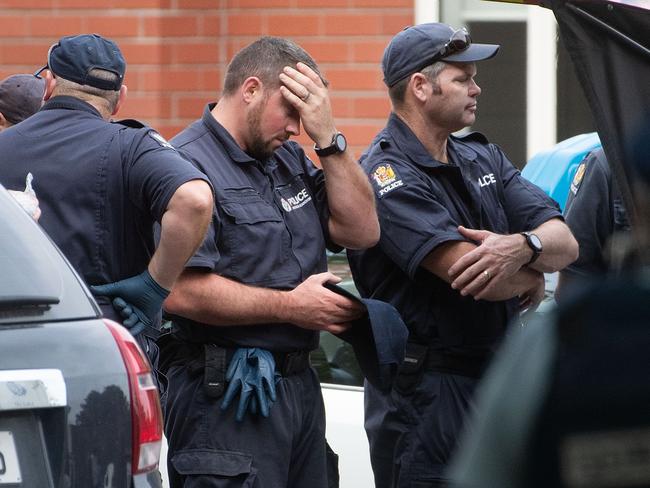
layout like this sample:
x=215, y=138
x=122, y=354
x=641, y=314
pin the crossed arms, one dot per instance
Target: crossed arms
x=496, y=267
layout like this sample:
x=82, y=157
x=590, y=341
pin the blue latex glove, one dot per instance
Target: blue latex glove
x=251, y=373
x=138, y=300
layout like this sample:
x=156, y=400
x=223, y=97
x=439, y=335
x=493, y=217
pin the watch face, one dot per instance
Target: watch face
x=535, y=242
x=340, y=142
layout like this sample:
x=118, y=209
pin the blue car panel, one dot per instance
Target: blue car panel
x=553, y=169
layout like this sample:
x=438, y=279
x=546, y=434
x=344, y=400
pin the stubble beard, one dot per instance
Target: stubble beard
x=257, y=148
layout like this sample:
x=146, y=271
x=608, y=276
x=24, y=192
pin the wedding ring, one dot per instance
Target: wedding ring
x=487, y=275
x=306, y=97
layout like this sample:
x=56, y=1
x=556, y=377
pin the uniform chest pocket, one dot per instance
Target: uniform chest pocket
x=255, y=242
x=251, y=212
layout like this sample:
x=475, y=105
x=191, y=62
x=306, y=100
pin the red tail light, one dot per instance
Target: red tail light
x=146, y=416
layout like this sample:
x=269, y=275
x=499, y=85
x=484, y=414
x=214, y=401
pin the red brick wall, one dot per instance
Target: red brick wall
x=176, y=50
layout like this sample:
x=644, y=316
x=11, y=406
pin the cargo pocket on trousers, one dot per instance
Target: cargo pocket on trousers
x=211, y=468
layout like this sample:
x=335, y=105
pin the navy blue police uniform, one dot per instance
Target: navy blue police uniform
x=101, y=186
x=420, y=204
x=269, y=230
x=595, y=213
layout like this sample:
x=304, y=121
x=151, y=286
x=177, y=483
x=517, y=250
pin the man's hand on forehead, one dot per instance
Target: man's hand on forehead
x=304, y=89
x=301, y=81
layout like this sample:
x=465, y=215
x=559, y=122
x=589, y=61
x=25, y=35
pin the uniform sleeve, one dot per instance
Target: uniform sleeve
x=526, y=205
x=589, y=216
x=154, y=170
x=413, y=220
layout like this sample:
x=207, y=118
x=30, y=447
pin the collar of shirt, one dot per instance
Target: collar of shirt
x=456, y=147
x=70, y=103
x=235, y=152
x=410, y=145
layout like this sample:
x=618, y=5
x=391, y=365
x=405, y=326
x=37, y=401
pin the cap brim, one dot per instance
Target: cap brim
x=475, y=52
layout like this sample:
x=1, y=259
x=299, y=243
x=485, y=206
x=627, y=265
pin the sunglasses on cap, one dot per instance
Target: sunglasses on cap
x=459, y=41
x=38, y=72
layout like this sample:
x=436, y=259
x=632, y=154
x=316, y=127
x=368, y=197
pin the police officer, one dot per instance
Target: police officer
x=251, y=304
x=596, y=215
x=102, y=185
x=464, y=242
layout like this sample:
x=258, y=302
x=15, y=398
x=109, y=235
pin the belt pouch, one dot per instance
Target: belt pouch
x=409, y=372
x=214, y=377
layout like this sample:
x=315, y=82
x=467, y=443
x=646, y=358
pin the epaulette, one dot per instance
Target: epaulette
x=134, y=124
x=378, y=145
x=473, y=136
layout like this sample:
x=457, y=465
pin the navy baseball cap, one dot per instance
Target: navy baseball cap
x=73, y=58
x=20, y=96
x=421, y=45
x=378, y=339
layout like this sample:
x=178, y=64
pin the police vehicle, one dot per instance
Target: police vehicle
x=78, y=406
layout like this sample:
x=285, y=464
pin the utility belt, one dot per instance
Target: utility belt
x=420, y=358
x=212, y=360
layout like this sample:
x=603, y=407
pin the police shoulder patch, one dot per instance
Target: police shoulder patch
x=577, y=179
x=160, y=139
x=385, y=178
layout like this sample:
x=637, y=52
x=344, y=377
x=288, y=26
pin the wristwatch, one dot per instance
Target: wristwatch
x=534, y=243
x=338, y=145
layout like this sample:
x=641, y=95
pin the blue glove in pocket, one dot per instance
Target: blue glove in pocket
x=251, y=373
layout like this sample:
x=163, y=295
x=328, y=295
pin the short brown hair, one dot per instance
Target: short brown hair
x=265, y=58
x=398, y=90
x=89, y=93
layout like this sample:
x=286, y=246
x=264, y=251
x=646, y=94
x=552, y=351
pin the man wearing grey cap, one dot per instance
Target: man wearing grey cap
x=20, y=96
x=102, y=185
x=464, y=244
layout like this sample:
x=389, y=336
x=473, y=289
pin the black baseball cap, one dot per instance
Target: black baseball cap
x=20, y=96
x=73, y=58
x=421, y=45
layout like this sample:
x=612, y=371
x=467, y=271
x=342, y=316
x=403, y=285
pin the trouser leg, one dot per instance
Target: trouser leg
x=412, y=437
x=209, y=448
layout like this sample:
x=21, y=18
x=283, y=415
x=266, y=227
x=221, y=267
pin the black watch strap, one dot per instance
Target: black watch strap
x=338, y=145
x=535, y=245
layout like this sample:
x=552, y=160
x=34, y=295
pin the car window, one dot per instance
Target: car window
x=334, y=360
x=37, y=283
